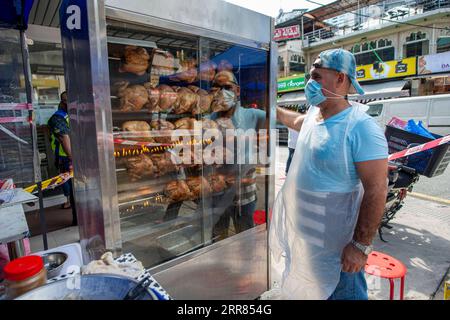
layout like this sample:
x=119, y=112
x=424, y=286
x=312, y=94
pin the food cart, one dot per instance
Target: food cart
x=135, y=72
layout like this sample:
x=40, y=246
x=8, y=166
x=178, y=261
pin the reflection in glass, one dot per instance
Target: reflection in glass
x=174, y=96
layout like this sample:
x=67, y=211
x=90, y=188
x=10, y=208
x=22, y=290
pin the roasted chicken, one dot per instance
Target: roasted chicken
x=153, y=97
x=136, y=60
x=209, y=124
x=178, y=191
x=207, y=71
x=139, y=167
x=185, y=123
x=132, y=98
x=187, y=100
x=199, y=187
x=163, y=130
x=204, y=102
x=138, y=130
x=167, y=97
x=187, y=71
x=163, y=163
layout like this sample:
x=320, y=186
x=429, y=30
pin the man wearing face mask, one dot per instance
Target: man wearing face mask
x=332, y=202
x=244, y=203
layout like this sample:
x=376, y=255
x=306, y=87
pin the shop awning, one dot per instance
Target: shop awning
x=379, y=91
x=430, y=75
x=292, y=97
x=15, y=13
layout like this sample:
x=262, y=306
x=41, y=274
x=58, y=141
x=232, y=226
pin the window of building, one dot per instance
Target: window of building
x=443, y=44
x=356, y=48
x=296, y=64
x=416, y=44
x=296, y=68
x=296, y=58
x=375, y=110
x=370, y=57
x=365, y=52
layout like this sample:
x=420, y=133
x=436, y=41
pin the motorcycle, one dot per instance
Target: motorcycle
x=401, y=181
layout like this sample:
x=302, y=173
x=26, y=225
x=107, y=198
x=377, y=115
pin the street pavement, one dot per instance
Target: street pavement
x=436, y=186
x=420, y=238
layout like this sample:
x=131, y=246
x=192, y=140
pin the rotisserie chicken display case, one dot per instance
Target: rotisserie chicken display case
x=170, y=104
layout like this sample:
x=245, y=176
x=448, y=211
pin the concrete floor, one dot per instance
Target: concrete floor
x=420, y=238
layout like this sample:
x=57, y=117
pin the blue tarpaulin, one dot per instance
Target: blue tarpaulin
x=242, y=57
x=14, y=13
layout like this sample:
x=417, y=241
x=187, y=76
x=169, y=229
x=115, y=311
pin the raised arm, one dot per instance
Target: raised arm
x=290, y=119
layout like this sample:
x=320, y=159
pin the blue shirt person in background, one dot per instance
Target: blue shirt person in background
x=59, y=127
x=292, y=141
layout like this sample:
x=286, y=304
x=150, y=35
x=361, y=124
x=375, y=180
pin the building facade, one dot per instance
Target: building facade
x=391, y=41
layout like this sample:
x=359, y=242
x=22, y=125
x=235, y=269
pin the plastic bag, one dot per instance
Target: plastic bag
x=419, y=129
x=397, y=123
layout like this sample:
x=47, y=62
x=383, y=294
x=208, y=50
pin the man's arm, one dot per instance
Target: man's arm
x=373, y=175
x=64, y=140
x=290, y=119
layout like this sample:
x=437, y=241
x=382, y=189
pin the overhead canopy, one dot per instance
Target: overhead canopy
x=339, y=7
x=241, y=57
x=378, y=91
x=14, y=13
x=433, y=75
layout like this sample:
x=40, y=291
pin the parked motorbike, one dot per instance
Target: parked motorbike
x=401, y=181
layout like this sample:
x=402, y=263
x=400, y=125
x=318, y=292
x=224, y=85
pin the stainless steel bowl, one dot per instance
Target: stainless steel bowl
x=53, y=262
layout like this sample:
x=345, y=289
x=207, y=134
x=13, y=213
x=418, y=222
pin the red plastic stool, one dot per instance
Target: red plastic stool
x=387, y=267
x=259, y=217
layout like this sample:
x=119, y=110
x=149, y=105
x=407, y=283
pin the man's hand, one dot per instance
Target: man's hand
x=353, y=260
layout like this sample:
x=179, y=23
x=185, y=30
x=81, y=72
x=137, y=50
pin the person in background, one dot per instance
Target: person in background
x=60, y=143
x=292, y=141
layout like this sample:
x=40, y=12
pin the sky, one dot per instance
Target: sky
x=272, y=7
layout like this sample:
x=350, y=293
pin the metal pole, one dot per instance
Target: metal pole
x=303, y=32
x=29, y=93
x=36, y=168
x=42, y=216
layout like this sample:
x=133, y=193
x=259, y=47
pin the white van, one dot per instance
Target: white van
x=433, y=111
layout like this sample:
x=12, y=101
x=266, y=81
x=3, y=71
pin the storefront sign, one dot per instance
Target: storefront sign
x=291, y=83
x=291, y=32
x=386, y=70
x=434, y=63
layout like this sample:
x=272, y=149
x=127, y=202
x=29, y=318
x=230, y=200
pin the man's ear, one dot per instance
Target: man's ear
x=238, y=91
x=341, y=80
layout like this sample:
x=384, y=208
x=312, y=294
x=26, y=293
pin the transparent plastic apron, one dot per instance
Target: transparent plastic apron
x=309, y=229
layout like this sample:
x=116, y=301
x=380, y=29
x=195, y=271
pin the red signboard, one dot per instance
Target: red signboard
x=291, y=32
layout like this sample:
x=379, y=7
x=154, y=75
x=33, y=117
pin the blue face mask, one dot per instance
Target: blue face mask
x=313, y=93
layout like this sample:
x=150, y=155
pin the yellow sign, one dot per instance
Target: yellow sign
x=447, y=290
x=386, y=70
x=41, y=83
